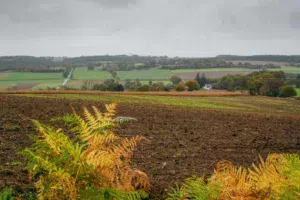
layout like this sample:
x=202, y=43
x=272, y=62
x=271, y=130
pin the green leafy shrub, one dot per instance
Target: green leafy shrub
x=169, y=87
x=175, y=80
x=16, y=163
x=287, y=91
x=144, y=88
x=192, y=85
x=180, y=87
x=93, y=165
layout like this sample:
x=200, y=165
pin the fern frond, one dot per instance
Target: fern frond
x=69, y=119
x=111, y=193
x=178, y=193
x=111, y=110
x=60, y=185
x=123, y=120
x=97, y=158
x=278, y=177
x=6, y=194
x=98, y=114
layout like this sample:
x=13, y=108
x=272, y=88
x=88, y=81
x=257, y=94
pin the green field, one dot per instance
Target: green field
x=82, y=73
x=16, y=78
x=283, y=68
x=243, y=103
x=7, y=84
x=151, y=74
x=298, y=92
x=287, y=69
x=178, y=71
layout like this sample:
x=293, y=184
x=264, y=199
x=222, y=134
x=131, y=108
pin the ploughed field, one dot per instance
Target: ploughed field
x=183, y=141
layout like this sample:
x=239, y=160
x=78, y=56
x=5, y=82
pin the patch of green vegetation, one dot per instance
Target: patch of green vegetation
x=8, y=128
x=82, y=73
x=8, y=84
x=11, y=194
x=246, y=103
x=7, y=194
x=17, y=76
x=288, y=69
x=15, y=163
x=4, y=75
x=151, y=74
x=178, y=71
x=298, y=91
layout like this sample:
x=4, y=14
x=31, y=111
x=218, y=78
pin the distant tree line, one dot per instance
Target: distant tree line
x=122, y=62
x=15, y=62
x=39, y=70
x=271, y=58
x=224, y=64
x=266, y=83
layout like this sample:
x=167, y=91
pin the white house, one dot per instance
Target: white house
x=207, y=87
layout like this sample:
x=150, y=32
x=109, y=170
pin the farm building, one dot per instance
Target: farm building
x=207, y=87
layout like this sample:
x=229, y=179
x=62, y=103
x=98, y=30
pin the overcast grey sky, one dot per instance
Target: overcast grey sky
x=194, y=28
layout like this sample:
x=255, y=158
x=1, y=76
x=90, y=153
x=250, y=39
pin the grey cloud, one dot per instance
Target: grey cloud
x=173, y=27
x=113, y=3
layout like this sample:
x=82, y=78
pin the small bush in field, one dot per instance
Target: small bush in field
x=144, y=88
x=175, y=79
x=276, y=178
x=180, y=87
x=192, y=85
x=287, y=91
x=93, y=165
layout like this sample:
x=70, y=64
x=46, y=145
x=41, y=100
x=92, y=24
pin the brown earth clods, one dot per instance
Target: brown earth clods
x=183, y=141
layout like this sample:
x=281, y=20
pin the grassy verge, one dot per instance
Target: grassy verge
x=243, y=103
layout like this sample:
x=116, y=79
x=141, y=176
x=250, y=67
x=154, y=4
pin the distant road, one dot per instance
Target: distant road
x=68, y=78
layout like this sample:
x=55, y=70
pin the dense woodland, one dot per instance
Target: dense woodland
x=133, y=62
x=272, y=58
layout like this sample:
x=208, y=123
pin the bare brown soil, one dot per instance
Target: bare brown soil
x=183, y=141
x=192, y=75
